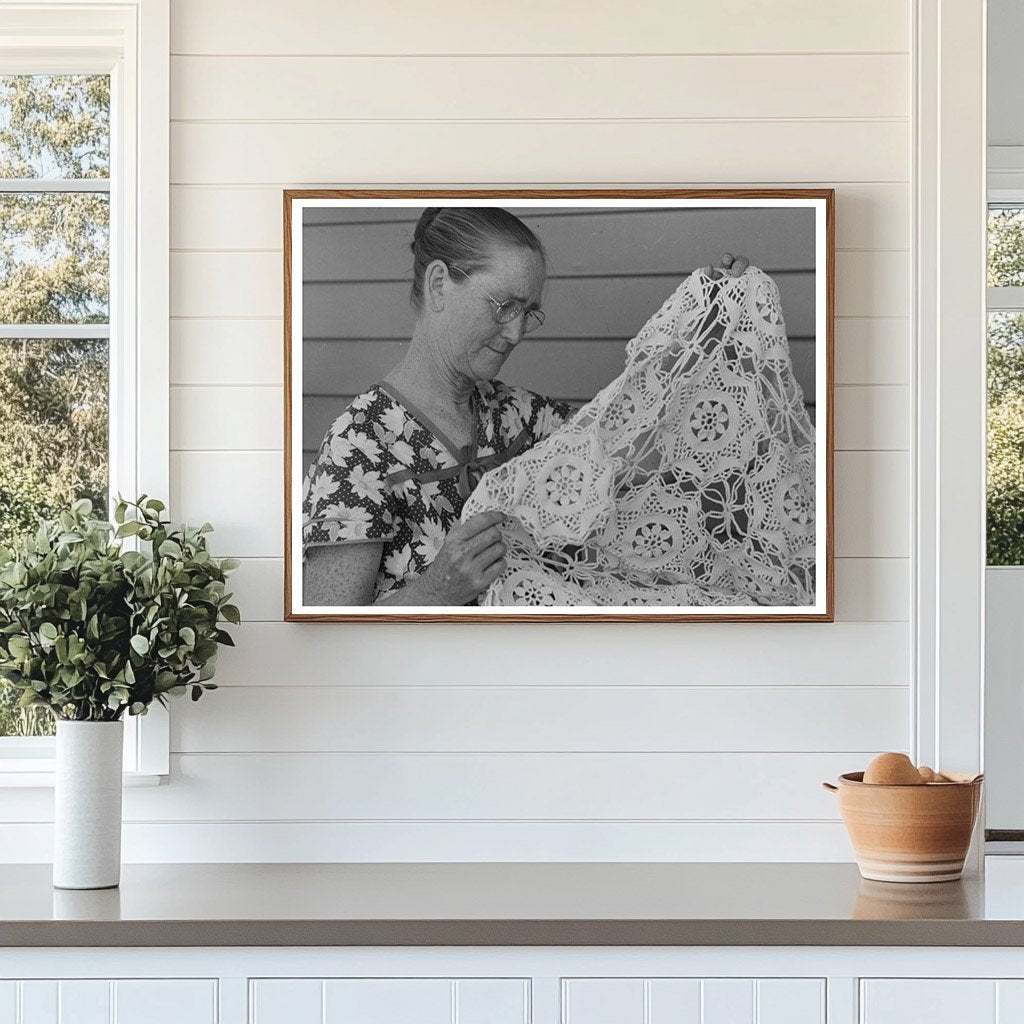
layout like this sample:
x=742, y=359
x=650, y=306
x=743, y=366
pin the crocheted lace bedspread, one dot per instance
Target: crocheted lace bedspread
x=687, y=481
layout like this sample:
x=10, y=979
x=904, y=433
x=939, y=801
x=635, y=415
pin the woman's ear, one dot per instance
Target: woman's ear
x=435, y=283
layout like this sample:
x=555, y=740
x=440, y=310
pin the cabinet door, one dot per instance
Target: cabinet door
x=103, y=1001
x=693, y=1001
x=941, y=1001
x=388, y=1000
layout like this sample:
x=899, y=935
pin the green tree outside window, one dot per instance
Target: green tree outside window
x=1005, y=478
x=54, y=275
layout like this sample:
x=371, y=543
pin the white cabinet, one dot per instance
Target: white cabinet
x=512, y=985
x=941, y=1001
x=102, y=1001
x=388, y=1000
x=693, y=1001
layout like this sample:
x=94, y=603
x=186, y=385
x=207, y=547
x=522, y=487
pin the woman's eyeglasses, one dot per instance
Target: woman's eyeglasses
x=505, y=312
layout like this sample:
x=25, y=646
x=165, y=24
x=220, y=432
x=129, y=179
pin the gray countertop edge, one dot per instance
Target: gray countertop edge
x=512, y=933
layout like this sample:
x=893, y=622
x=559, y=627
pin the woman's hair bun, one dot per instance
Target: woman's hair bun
x=426, y=219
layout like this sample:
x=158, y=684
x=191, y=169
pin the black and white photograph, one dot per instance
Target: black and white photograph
x=578, y=405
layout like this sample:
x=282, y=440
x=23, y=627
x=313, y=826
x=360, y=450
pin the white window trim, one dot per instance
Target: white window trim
x=949, y=444
x=131, y=41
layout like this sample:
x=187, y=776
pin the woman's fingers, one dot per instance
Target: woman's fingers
x=491, y=573
x=490, y=554
x=495, y=571
x=477, y=543
x=481, y=521
x=729, y=266
x=738, y=266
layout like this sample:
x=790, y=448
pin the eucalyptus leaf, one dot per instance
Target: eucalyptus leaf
x=170, y=549
x=91, y=630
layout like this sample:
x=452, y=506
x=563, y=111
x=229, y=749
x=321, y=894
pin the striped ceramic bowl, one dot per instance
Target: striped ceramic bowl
x=909, y=833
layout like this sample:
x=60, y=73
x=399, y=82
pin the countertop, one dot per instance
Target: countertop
x=488, y=904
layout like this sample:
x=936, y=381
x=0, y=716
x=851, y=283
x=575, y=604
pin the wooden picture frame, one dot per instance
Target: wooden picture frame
x=338, y=281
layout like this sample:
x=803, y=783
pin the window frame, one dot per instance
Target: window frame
x=130, y=41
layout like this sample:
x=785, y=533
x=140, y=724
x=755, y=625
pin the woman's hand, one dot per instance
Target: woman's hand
x=729, y=266
x=470, y=560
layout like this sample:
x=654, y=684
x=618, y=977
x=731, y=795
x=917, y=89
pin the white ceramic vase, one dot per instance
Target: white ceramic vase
x=87, y=805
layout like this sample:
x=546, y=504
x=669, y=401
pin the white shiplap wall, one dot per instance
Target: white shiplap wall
x=575, y=741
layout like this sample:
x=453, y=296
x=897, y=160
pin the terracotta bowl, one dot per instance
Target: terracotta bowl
x=909, y=833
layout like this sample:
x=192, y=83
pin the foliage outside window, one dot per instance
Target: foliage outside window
x=1005, y=481
x=54, y=309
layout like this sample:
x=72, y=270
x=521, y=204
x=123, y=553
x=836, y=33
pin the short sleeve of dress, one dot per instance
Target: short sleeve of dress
x=345, y=496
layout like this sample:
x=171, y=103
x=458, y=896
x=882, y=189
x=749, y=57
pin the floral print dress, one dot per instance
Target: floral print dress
x=384, y=472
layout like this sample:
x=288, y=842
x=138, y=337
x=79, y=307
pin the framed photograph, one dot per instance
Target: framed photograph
x=565, y=405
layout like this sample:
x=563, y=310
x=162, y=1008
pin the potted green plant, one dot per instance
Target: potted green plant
x=93, y=627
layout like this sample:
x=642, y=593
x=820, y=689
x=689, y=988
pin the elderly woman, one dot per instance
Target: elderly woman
x=382, y=500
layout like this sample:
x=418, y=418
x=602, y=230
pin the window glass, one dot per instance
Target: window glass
x=1005, y=481
x=54, y=274
x=54, y=127
x=54, y=257
x=1006, y=247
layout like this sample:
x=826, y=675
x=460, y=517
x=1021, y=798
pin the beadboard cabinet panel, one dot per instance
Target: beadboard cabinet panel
x=930, y=1001
x=102, y=1001
x=693, y=1001
x=389, y=1001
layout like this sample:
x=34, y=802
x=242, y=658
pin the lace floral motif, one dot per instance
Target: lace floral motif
x=688, y=481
